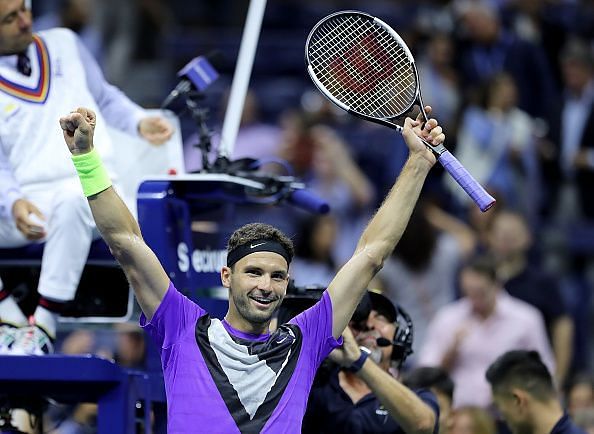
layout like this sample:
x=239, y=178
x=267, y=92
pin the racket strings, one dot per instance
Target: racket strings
x=386, y=92
x=404, y=78
x=363, y=65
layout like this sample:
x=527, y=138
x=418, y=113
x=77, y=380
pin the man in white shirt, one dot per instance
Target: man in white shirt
x=43, y=75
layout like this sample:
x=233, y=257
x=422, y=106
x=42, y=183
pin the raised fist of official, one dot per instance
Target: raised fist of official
x=78, y=127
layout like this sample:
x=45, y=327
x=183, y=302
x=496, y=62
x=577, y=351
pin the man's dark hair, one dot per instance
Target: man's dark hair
x=524, y=370
x=430, y=378
x=260, y=231
x=484, y=265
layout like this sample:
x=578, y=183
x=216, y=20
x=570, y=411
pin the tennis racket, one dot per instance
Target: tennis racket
x=364, y=67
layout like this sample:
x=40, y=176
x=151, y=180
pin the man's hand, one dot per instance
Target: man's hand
x=431, y=132
x=348, y=353
x=155, y=130
x=78, y=128
x=28, y=219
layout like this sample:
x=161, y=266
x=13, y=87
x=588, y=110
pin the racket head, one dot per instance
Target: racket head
x=363, y=66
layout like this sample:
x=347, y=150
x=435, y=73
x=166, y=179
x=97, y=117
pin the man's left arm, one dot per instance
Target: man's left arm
x=562, y=332
x=387, y=226
x=119, y=110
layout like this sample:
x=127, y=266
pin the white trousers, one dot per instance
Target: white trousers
x=70, y=229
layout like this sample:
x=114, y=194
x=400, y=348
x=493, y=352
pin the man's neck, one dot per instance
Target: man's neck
x=244, y=326
x=352, y=385
x=546, y=415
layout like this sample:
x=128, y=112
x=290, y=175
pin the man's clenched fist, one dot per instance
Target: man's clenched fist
x=78, y=127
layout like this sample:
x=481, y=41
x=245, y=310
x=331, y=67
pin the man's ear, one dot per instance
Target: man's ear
x=521, y=398
x=226, y=276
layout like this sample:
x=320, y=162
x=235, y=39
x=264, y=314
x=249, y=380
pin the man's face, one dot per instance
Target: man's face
x=376, y=326
x=480, y=291
x=509, y=236
x=576, y=75
x=257, y=286
x=15, y=27
x=512, y=409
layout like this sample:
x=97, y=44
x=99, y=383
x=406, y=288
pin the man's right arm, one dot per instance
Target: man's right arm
x=122, y=234
x=116, y=224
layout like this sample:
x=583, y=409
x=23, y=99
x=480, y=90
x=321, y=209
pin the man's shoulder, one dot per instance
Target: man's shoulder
x=516, y=307
x=57, y=33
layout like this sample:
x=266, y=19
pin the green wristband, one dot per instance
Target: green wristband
x=93, y=175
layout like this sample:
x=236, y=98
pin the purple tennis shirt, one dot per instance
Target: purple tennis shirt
x=221, y=380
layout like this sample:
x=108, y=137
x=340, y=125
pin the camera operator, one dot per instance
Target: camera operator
x=358, y=391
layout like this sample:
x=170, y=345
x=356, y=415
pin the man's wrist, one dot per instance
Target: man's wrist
x=418, y=161
x=358, y=364
x=93, y=175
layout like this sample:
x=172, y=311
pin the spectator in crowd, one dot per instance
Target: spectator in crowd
x=467, y=335
x=525, y=396
x=321, y=157
x=439, y=80
x=439, y=382
x=488, y=49
x=584, y=419
x=567, y=154
x=510, y=242
x=77, y=418
x=421, y=273
x=40, y=196
x=130, y=350
x=496, y=144
x=579, y=396
x=313, y=263
x=360, y=394
x=472, y=420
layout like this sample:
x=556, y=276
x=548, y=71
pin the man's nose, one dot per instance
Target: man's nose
x=24, y=19
x=264, y=282
x=370, y=324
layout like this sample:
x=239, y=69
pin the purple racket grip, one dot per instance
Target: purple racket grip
x=476, y=191
x=310, y=202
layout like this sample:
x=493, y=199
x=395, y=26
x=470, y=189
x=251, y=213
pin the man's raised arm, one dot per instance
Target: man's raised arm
x=113, y=219
x=387, y=226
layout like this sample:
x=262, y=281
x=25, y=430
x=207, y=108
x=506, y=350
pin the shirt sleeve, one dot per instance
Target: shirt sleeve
x=316, y=325
x=117, y=109
x=10, y=190
x=538, y=339
x=175, y=316
x=431, y=400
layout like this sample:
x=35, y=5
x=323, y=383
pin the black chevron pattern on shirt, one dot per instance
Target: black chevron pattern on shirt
x=280, y=352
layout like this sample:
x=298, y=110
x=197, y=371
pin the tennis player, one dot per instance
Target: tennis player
x=232, y=375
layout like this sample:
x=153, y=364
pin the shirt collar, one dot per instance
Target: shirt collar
x=9, y=61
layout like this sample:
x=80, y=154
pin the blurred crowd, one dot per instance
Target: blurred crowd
x=512, y=83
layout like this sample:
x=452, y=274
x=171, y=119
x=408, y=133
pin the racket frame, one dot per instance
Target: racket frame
x=386, y=121
x=480, y=196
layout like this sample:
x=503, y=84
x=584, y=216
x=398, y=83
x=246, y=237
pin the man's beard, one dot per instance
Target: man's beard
x=249, y=313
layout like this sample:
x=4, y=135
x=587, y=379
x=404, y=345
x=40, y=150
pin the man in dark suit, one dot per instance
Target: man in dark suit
x=567, y=156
